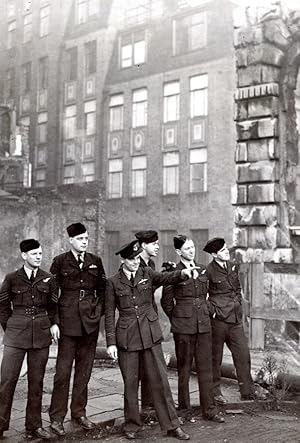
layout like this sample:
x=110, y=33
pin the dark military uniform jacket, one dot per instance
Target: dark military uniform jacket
x=80, y=304
x=185, y=304
x=138, y=325
x=27, y=310
x=224, y=290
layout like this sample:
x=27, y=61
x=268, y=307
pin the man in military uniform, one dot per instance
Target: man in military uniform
x=81, y=279
x=149, y=243
x=137, y=338
x=225, y=301
x=28, y=315
x=185, y=305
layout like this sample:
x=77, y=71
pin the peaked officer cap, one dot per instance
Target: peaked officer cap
x=28, y=244
x=214, y=245
x=130, y=250
x=76, y=229
x=147, y=236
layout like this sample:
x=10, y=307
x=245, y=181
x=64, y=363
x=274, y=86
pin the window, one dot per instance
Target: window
x=190, y=33
x=116, y=111
x=139, y=170
x=88, y=172
x=11, y=34
x=41, y=156
x=69, y=174
x=44, y=21
x=139, y=12
x=10, y=82
x=198, y=170
x=171, y=173
x=40, y=178
x=171, y=101
x=139, y=107
x=90, y=117
x=27, y=36
x=133, y=49
x=86, y=9
x=11, y=8
x=26, y=78
x=69, y=152
x=43, y=67
x=198, y=95
x=115, y=178
x=71, y=68
x=70, y=122
x=90, y=50
x=42, y=127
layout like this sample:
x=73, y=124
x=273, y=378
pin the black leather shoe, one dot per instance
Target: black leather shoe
x=84, y=422
x=130, y=435
x=39, y=433
x=58, y=428
x=217, y=418
x=219, y=400
x=178, y=433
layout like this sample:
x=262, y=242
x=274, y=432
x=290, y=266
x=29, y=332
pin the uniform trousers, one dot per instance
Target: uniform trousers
x=10, y=371
x=198, y=347
x=234, y=336
x=156, y=372
x=146, y=395
x=82, y=349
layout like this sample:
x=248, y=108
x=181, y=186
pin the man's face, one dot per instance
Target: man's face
x=132, y=264
x=187, y=250
x=33, y=258
x=151, y=248
x=79, y=243
x=222, y=254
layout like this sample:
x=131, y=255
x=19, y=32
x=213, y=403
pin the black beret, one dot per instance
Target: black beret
x=214, y=245
x=130, y=250
x=28, y=244
x=179, y=241
x=76, y=229
x=147, y=236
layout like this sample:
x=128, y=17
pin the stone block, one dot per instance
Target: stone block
x=241, y=197
x=277, y=33
x=241, y=152
x=240, y=236
x=242, y=110
x=270, y=74
x=283, y=255
x=250, y=35
x=249, y=76
x=263, y=106
x=241, y=56
x=257, y=172
x=256, y=237
x=255, y=215
x=247, y=129
x=271, y=236
x=262, y=150
x=261, y=90
x=263, y=193
x=266, y=54
x=267, y=127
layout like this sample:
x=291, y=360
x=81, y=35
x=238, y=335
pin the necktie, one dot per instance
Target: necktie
x=32, y=278
x=79, y=259
x=132, y=278
x=194, y=273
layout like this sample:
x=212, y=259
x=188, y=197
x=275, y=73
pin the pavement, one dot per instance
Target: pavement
x=105, y=404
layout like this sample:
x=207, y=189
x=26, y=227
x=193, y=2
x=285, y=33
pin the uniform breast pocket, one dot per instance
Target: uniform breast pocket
x=123, y=300
x=185, y=288
x=145, y=292
x=19, y=294
x=42, y=292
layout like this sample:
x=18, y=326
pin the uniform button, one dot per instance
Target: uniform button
x=136, y=307
x=32, y=296
x=81, y=281
x=133, y=297
x=137, y=316
x=33, y=318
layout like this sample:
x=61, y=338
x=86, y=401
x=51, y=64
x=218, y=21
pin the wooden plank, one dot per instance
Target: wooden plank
x=257, y=326
x=275, y=314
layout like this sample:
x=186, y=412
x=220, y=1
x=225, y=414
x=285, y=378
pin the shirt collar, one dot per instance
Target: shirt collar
x=128, y=273
x=28, y=271
x=78, y=253
x=187, y=263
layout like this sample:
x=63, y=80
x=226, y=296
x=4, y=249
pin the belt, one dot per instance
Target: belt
x=29, y=310
x=82, y=292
